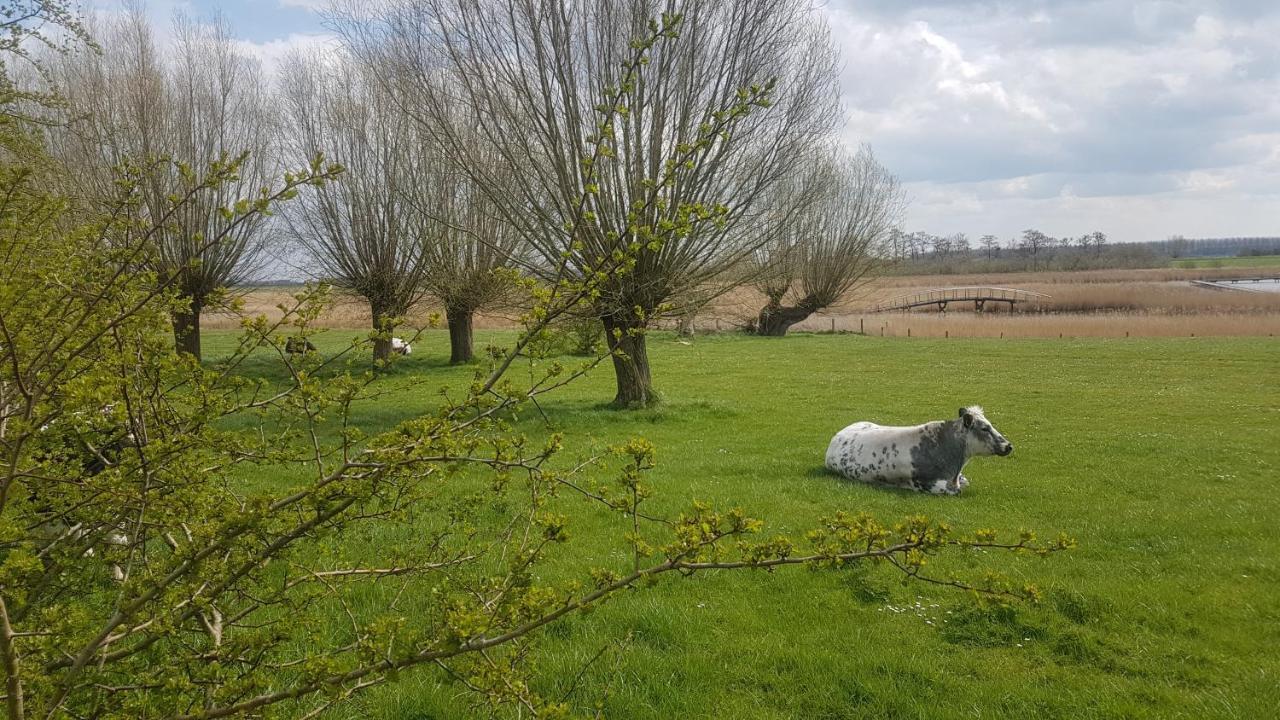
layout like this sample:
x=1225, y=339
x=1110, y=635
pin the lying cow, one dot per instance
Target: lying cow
x=927, y=458
x=53, y=532
x=400, y=347
x=94, y=443
x=298, y=345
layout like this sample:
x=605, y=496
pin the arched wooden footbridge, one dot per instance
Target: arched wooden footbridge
x=979, y=296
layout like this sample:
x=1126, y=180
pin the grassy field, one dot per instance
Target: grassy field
x=1159, y=456
x=1257, y=261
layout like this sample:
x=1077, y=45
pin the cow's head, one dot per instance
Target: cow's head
x=981, y=437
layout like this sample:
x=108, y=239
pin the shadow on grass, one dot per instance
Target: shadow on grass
x=820, y=472
x=266, y=364
x=573, y=411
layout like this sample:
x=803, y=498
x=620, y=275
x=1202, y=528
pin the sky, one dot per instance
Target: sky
x=1139, y=119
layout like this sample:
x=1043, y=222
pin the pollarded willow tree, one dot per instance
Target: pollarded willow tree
x=469, y=248
x=739, y=95
x=204, y=104
x=362, y=233
x=833, y=245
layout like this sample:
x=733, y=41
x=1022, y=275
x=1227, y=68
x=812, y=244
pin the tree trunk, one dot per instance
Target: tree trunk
x=381, y=324
x=775, y=318
x=630, y=363
x=460, y=341
x=186, y=330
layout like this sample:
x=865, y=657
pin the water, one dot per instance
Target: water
x=1264, y=285
x=1272, y=285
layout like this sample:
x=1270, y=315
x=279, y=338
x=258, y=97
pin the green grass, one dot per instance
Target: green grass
x=1160, y=456
x=1256, y=261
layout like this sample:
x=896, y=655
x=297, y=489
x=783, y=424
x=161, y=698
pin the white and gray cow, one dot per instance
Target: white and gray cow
x=95, y=443
x=927, y=458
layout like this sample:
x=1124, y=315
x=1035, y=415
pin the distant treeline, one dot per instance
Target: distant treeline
x=920, y=253
x=1180, y=247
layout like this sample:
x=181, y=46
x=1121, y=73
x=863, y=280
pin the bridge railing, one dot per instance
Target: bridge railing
x=959, y=294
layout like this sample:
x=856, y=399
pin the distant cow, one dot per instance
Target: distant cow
x=400, y=347
x=298, y=345
x=94, y=442
x=927, y=458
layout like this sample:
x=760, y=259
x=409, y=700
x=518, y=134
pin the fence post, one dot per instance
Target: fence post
x=833, y=324
x=908, y=332
x=946, y=334
x=862, y=328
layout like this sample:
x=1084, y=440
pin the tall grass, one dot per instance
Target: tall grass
x=1157, y=302
x=1048, y=325
x=1164, y=297
x=348, y=314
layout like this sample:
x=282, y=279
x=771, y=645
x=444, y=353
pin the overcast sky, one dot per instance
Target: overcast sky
x=1140, y=119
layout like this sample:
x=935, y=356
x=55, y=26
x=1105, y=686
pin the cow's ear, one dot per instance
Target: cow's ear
x=967, y=417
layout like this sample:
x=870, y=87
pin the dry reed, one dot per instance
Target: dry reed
x=1099, y=303
x=1174, y=297
x=1067, y=325
x=345, y=313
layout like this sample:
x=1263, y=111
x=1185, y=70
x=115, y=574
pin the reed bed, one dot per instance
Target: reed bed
x=346, y=314
x=1177, y=297
x=1158, y=302
x=960, y=322
x=1048, y=325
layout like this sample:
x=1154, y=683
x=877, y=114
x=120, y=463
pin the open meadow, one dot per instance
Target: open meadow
x=1158, y=455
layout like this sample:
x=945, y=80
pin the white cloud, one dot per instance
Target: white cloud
x=1153, y=216
x=272, y=52
x=1206, y=181
x=1140, y=116
x=312, y=5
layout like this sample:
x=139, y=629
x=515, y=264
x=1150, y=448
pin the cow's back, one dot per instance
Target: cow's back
x=875, y=453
